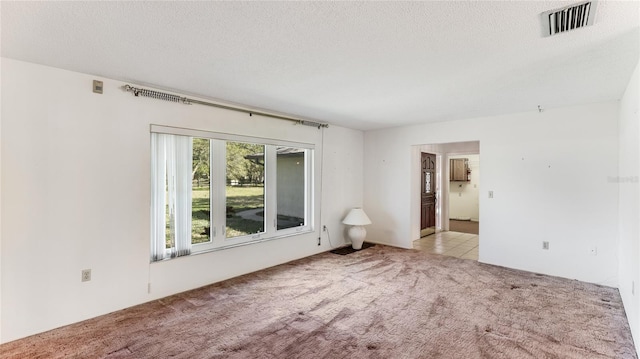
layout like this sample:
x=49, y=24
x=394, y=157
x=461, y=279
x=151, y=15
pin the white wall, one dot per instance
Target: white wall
x=629, y=203
x=342, y=166
x=463, y=196
x=76, y=193
x=0, y=199
x=526, y=160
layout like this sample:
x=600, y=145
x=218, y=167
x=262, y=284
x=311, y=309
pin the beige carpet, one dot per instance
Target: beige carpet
x=380, y=302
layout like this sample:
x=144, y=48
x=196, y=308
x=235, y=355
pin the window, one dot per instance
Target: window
x=245, y=189
x=211, y=191
x=291, y=187
x=200, y=191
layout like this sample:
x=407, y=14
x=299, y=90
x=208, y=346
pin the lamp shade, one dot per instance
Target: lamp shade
x=356, y=217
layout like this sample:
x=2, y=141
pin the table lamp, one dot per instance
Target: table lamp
x=357, y=219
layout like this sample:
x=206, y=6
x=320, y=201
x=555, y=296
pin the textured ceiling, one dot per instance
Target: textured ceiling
x=362, y=65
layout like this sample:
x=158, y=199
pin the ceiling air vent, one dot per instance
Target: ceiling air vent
x=569, y=18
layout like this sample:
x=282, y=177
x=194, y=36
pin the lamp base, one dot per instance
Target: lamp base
x=357, y=235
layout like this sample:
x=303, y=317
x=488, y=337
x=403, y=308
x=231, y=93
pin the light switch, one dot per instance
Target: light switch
x=97, y=86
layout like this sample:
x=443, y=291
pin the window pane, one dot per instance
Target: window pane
x=427, y=182
x=245, y=189
x=291, y=187
x=201, y=203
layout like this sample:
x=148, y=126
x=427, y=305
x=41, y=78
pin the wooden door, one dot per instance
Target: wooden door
x=428, y=195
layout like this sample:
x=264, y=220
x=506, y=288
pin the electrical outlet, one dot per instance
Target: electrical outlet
x=545, y=245
x=86, y=275
x=324, y=228
x=490, y=194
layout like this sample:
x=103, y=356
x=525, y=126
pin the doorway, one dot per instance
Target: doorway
x=421, y=215
x=464, y=205
x=430, y=234
x=428, y=194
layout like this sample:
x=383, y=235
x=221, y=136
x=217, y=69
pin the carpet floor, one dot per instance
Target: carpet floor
x=381, y=302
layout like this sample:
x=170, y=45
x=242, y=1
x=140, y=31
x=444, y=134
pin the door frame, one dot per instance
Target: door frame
x=442, y=152
x=448, y=204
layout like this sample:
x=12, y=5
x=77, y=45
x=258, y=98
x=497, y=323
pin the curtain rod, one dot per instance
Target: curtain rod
x=188, y=101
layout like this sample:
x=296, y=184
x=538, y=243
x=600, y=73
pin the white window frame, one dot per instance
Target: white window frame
x=218, y=239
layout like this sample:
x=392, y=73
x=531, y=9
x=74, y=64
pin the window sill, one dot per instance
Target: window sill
x=234, y=245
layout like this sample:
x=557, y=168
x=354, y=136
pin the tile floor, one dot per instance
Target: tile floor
x=454, y=244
